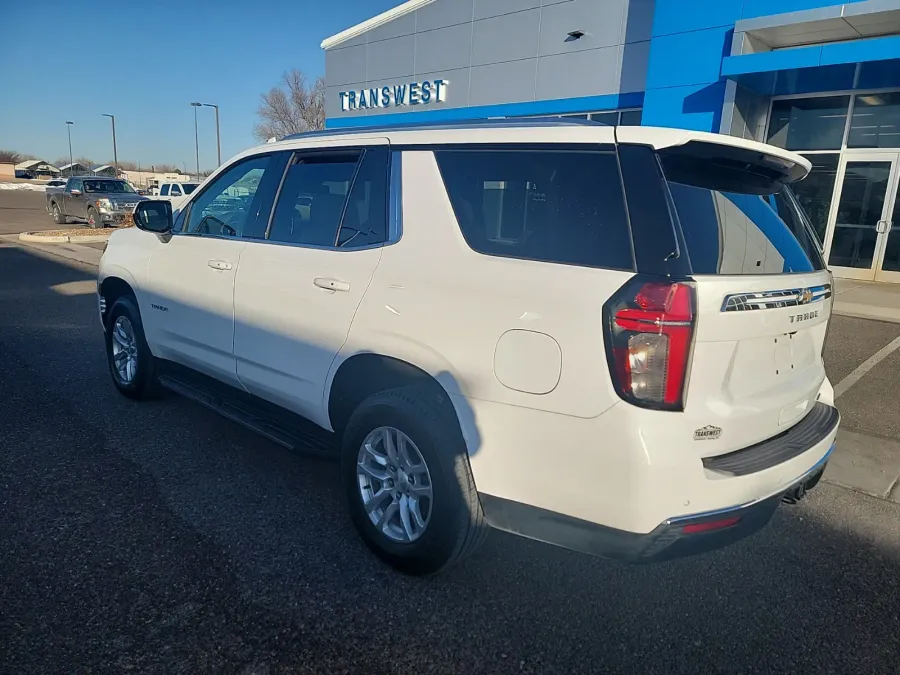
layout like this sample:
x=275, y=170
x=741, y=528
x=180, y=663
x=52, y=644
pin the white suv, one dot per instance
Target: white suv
x=608, y=339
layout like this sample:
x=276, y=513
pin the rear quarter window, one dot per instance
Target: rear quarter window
x=735, y=227
x=556, y=206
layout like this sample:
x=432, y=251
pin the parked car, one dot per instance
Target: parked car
x=176, y=192
x=609, y=339
x=99, y=201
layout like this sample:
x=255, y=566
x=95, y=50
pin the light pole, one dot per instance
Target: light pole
x=115, y=151
x=196, y=138
x=71, y=156
x=218, y=138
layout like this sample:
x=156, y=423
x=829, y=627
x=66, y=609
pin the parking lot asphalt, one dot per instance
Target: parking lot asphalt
x=24, y=211
x=162, y=538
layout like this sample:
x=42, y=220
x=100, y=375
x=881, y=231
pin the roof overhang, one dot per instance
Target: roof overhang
x=375, y=21
x=850, y=21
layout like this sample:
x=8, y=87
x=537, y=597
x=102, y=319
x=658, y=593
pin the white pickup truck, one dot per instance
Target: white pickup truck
x=175, y=192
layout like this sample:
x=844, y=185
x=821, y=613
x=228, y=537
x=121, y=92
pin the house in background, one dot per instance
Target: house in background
x=76, y=169
x=36, y=168
x=107, y=170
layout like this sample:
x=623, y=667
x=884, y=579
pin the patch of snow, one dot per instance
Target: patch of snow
x=23, y=186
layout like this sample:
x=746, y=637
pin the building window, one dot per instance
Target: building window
x=611, y=117
x=809, y=123
x=876, y=121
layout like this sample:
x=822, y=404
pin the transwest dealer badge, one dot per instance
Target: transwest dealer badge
x=708, y=433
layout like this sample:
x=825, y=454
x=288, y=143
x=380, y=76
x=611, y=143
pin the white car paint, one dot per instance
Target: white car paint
x=553, y=435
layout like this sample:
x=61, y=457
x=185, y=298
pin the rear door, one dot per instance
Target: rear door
x=763, y=295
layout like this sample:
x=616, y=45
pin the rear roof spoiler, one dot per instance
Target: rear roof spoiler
x=787, y=165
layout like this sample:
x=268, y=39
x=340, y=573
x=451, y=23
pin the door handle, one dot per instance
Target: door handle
x=331, y=284
x=219, y=264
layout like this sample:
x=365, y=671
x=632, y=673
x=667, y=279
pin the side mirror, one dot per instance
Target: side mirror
x=152, y=215
x=75, y=193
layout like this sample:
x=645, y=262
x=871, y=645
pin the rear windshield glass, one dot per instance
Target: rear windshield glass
x=546, y=205
x=730, y=230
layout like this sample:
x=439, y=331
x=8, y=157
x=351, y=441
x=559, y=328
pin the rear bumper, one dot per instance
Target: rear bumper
x=673, y=538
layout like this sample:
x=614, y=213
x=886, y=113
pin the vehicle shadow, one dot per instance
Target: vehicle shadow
x=161, y=537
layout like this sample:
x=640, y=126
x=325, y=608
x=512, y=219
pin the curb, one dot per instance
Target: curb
x=63, y=238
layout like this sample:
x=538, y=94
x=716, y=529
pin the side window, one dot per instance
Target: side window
x=176, y=191
x=76, y=185
x=312, y=198
x=164, y=190
x=229, y=204
x=365, y=219
x=546, y=205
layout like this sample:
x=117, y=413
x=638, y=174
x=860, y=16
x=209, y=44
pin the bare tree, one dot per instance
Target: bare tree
x=126, y=165
x=292, y=107
x=10, y=157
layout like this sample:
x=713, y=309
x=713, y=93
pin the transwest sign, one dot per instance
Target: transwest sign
x=412, y=93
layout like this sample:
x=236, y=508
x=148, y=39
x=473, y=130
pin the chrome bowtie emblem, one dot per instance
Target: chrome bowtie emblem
x=806, y=296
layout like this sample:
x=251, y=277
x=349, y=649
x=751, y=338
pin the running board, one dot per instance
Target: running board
x=270, y=421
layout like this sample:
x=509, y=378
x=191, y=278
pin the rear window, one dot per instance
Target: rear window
x=546, y=205
x=730, y=228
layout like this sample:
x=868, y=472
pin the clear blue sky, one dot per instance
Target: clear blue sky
x=145, y=62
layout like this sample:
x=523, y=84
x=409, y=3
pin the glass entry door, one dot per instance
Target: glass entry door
x=864, y=233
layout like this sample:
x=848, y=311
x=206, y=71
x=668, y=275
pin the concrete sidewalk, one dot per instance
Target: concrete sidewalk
x=867, y=300
x=866, y=464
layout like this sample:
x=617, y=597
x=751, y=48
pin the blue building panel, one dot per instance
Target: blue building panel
x=756, y=8
x=697, y=107
x=687, y=58
x=683, y=16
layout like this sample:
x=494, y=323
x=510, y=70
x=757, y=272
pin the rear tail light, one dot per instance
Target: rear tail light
x=650, y=330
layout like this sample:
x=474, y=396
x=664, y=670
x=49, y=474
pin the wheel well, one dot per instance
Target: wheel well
x=113, y=288
x=362, y=375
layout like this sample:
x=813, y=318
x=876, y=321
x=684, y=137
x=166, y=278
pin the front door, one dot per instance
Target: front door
x=190, y=283
x=863, y=241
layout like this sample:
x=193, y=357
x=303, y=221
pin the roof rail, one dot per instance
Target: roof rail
x=495, y=123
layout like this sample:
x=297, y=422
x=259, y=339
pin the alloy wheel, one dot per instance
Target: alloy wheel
x=394, y=484
x=124, y=349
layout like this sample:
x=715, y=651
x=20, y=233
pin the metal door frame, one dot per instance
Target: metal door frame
x=874, y=272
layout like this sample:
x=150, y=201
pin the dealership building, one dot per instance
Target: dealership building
x=815, y=76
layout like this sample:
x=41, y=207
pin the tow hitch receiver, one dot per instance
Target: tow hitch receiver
x=798, y=491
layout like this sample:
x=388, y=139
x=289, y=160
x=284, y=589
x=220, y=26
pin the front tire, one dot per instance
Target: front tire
x=131, y=364
x=93, y=218
x=408, y=483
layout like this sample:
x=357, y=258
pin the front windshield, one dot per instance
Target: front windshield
x=109, y=186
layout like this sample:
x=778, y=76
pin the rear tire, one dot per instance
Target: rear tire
x=93, y=218
x=58, y=216
x=454, y=524
x=131, y=364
